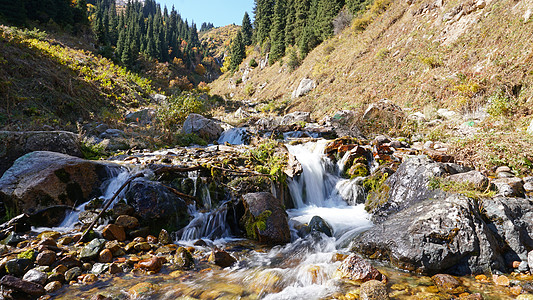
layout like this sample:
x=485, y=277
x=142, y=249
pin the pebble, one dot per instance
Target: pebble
x=153, y=264
x=142, y=246
x=52, y=286
x=105, y=256
x=127, y=222
x=114, y=232
x=445, y=282
x=46, y=258
x=89, y=279
x=72, y=274
x=501, y=280
x=35, y=276
x=164, y=237
x=114, y=268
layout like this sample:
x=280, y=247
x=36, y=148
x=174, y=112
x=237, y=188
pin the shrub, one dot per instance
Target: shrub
x=342, y=20
x=249, y=89
x=501, y=104
x=178, y=109
x=293, y=60
x=253, y=63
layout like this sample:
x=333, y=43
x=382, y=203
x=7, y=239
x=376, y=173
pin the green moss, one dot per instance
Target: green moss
x=28, y=254
x=253, y=225
x=464, y=188
x=377, y=191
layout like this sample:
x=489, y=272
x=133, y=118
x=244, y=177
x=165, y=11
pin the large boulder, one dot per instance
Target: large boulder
x=43, y=179
x=383, y=115
x=15, y=144
x=265, y=219
x=409, y=185
x=424, y=229
x=305, y=86
x=156, y=205
x=443, y=234
x=205, y=128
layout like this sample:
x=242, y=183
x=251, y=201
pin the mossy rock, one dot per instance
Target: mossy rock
x=358, y=170
x=184, y=259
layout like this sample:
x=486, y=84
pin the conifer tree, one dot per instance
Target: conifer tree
x=238, y=51
x=277, y=35
x=263, y=11
x=247, y=30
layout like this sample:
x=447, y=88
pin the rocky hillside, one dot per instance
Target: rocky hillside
x=218, y=40
x=464, y=67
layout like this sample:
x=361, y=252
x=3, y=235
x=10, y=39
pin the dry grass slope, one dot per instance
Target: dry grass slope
x=466, y=56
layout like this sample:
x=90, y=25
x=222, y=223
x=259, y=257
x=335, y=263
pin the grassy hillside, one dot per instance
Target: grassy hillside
x=45, y=82
x=475, y=58
x=218, y=39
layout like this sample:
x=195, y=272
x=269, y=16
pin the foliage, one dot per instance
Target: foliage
x=247, y=30
x=249, y=89
x=501, y=103
x=267, y=159
x=253, y=63
x=178, y=108
x=65, y=13
x=293, y=61
x=464, y=188
x=92, y=150
x=342, y=20
x=185, y=140
x=238, y=52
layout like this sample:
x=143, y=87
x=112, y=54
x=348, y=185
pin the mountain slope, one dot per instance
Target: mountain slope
x=425, y=55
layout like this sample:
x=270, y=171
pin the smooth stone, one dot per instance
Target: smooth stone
x=357, y=269
x=99, y=268
x=52, y=286
x=105, y=256
x=221, y=258
x=114, y=232
x=46, y=258
x=127, y=222
x=92, y=249
x=36, y=276
x=184, y=259
x=27, y=287
x=72, y=274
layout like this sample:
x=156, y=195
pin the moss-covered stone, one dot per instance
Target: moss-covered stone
x=184, y=259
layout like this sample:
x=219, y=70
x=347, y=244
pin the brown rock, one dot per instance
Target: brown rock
x=153, y=264
x=52, y=286
x=26, y=287
x=61, y=269
x=265, y=208
x=445, y=282
x=114, y=268
x=152, y=239
x=139, y=239
x=89, y=279
x=221, y=258
x=164, y=237
x=501, y=280
x=105, y=256
x=70, y=262
x=114, y=232
x=46, y=258
x=357, y=269
x=113, y=246
x=516, y=290
x=373, y=290
x=127, y=222
x=140, y=290
x=516, y=264
x=142, y=246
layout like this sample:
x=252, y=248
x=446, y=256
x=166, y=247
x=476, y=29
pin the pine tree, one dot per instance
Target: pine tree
x=290, y=20
x=247, y=30
x=277, y=36
x=263, y=11
x=238, y=51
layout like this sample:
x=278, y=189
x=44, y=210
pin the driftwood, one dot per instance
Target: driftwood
x=109, y=203
x=182, y=195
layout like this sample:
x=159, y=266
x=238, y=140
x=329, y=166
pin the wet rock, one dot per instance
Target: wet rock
x=127, y=222
x=473, y=178
x=30, y=288
x=512, y=219
x=36, y=276
x=501, y=280
x=69, y=262
x=357, y=269
x=91, y=250
x=296, y=117
x=450, y=230
x=72, y=274
x=89, y=279
x=265, y=218
x=52, y=286
x=305, y=86
x=140, y=290
x=114, y=232
x=446, y=283
x=17, y=143
x=156, y=205
x=164, y=237
x=510, y=187
x=153, y=264
x=200, y=243
x=373, y=290
x=114, y=269
x=18, y=266
x=406, y=187
x=46, y=258
x=105, y=256
x=184, y=259
x=99, y=268
x=221, y=258
x=100, y=297
x=142, y=246
x=152, y=239
x=317, y=224
x=122, y=208
x=203, y=127
x=293, y=167
x=42, y=180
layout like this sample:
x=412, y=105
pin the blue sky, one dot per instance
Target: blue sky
x=218, y=12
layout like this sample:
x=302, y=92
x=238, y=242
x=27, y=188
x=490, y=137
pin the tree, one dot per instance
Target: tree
x=13, y=11
x=277, y=36
x=263, y=11
x=238, y=51
x=247, y=30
